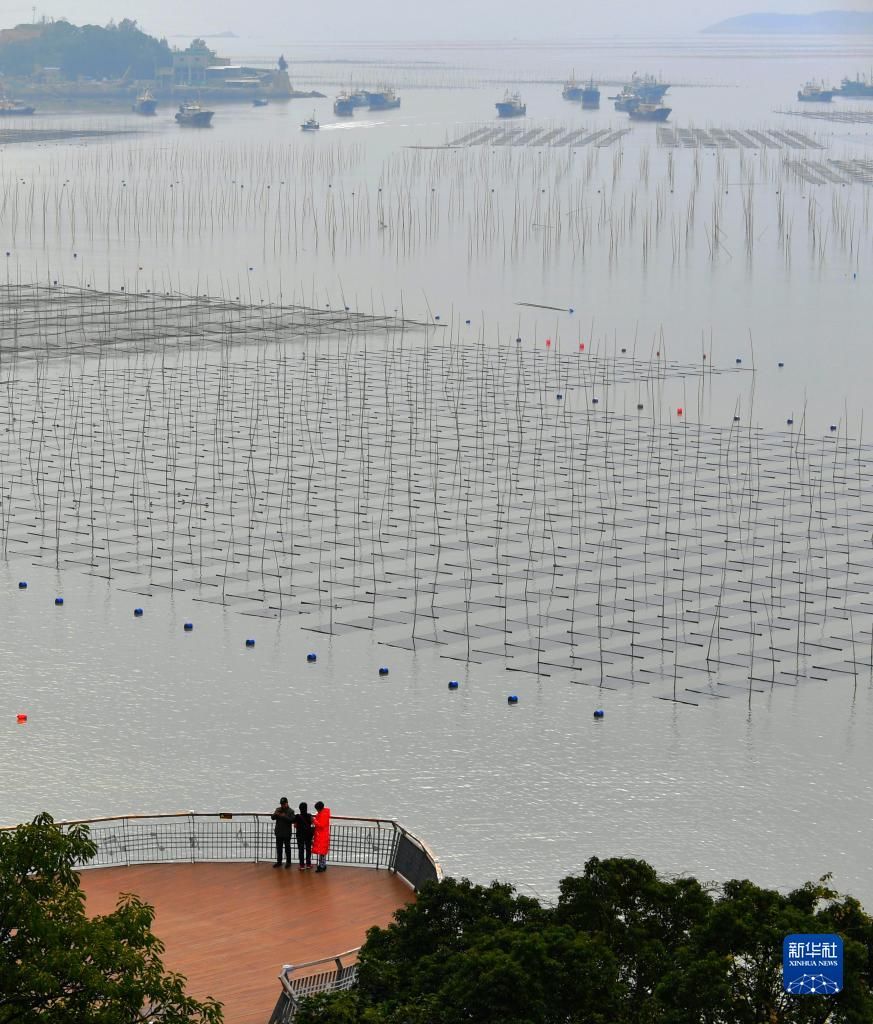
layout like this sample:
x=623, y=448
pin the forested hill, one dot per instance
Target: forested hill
x=844, y=23
x=86, y=50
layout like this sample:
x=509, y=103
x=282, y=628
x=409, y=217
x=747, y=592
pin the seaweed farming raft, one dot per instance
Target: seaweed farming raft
x=512, y=503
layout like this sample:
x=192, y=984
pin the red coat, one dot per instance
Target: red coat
x=321, y=839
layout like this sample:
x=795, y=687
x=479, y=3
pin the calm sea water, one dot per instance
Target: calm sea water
x=133, y=715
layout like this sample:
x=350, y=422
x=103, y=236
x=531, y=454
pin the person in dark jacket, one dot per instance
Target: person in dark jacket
x=303, y=825
x=284, y=818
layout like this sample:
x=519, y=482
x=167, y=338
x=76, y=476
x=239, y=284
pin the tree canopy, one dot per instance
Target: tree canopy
x=59, y=966
x=622, y=946
x=88, y=50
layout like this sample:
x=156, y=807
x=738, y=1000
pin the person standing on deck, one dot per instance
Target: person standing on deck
x=303, y=825
x=321, y=842
x=284, y=818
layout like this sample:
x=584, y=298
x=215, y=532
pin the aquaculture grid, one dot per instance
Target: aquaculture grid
x=512, y=505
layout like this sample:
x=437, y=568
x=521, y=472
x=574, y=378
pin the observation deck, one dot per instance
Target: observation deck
x=255, y=938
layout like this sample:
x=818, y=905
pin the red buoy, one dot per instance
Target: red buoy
x=679, y=411
x=21, y=718
x=548, y=342
x=581, y=346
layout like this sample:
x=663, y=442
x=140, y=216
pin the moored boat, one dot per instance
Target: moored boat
x=11, y=108
x=649, y=112
x=590, y=96
x=813, y=93
x=260, y=102
x=193, y=115
x=310, y=124
x=858, y=87
x=344, y=105
x=511, y=106
x=145, y=104
x=386, y=99
x=648, y=88
x=572, y=89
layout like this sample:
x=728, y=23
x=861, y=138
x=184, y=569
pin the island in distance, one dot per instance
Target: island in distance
x=843, y=23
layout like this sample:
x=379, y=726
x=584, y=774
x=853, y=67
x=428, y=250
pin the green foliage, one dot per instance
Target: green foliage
x=57, y=966
x=622, y=946
x=88, y=51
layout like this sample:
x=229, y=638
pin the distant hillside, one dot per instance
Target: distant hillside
x=844, y=23
x=87, y=50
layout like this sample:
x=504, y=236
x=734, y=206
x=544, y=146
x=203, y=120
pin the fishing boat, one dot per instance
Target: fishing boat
x=145, y=104
x=857, y=88
x=649, y=112
x=648, y=88
x=511, y=106
x=590, y=96
x=572, y=89
x=387, y=99
x=260, y=102
x=10, y=108
x=344, y=105
x=310, y=124
x=814, y=93
x=194, y=116
x=626, y=100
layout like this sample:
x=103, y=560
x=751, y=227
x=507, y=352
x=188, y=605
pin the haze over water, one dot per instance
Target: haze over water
x=130, y=716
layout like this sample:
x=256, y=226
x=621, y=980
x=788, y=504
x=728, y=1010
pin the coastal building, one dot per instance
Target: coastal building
x=191, y=66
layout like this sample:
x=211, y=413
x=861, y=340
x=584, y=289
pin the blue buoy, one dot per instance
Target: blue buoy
x=250, y=642
x=780, y=365
x=383, y=671
x=572, y=310
x=594, y=401
x=310, y=657
x=436, y=318
x=833, y=427
x=22, y=585
x=736, y=419
x=188, y=627
x=738, y=360
x=518, y=341
x=467, y=322
x=598, y=713
x=59, y=600
x=559, y=396
x=790, y=422
x=639, y=406
x=453, y=685
x=512, y=699
x=137, y=612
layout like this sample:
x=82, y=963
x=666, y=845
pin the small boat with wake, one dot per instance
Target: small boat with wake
x=310, y=124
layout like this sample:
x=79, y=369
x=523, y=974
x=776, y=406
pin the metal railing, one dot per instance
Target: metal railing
x=195, y=837
x=313, y=978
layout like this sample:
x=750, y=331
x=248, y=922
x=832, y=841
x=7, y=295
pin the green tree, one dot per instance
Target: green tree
x=59, y=965
x=622, y=946
x=89, y=51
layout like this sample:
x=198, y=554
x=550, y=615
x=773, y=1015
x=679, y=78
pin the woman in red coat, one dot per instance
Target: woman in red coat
x=321, y=839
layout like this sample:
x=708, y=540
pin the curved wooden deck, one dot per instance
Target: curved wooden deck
x=230, y=927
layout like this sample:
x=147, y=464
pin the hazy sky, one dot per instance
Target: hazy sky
x=289, y=20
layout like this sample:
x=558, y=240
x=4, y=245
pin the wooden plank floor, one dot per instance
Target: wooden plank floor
x=230, y=927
